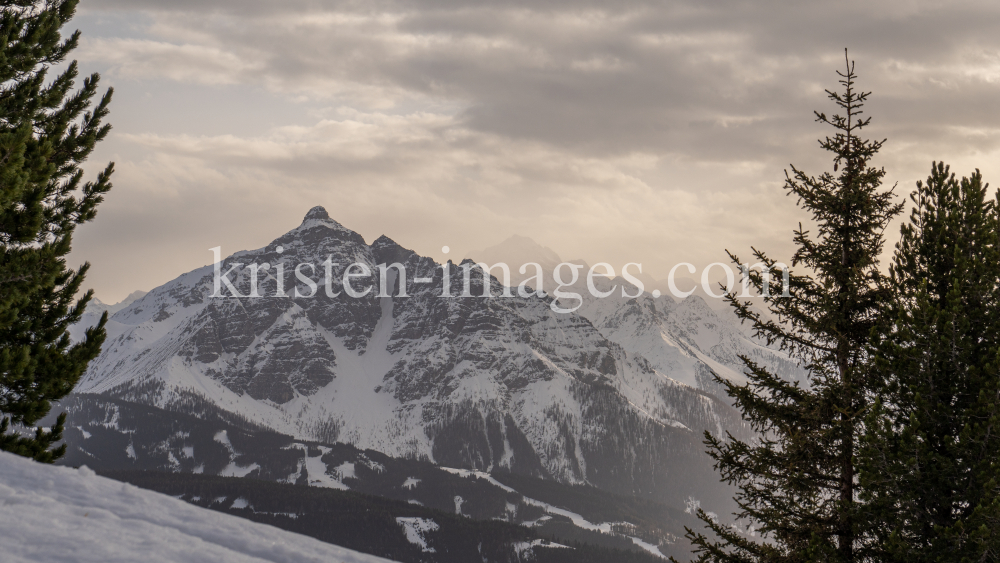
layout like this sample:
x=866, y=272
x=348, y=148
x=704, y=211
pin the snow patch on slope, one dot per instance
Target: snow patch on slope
x=319, y=474
x=578, y=521
x=62, y=514
x=415, y=530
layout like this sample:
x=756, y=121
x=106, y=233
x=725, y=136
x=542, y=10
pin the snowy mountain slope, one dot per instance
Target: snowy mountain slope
x=94, y=310
x=61, y=514
x=98, y=306
x=684, y=338
x=478, y=382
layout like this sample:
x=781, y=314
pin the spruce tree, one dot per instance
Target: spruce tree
x=46, y=132
x=931, y=460
x=797, y=483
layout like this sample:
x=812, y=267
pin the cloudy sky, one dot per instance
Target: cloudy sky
x=631, y=131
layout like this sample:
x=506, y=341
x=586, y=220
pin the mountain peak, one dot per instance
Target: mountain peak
x=318, y=213
x=132, y=297
x=387, y=250
x=518, y=249
x=317, y=216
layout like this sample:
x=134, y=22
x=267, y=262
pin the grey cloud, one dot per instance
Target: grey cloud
x=520, y=68
x=536, y=109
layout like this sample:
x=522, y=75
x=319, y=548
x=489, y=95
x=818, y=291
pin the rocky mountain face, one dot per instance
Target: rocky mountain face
x=616, y=394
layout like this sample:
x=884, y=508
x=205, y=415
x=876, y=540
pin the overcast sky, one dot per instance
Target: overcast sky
x=630, y=131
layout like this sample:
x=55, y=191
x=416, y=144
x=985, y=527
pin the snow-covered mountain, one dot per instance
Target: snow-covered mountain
x=515, y=251
x=72, y=515
x=95, y=309
x=604, y=396
x=687, y=339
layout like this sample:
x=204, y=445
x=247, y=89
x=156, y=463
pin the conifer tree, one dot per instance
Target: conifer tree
x=797, y=484
x=931, y=460
x=46, y=132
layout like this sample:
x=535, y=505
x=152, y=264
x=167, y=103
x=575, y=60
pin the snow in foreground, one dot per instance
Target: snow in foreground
x=50, y=513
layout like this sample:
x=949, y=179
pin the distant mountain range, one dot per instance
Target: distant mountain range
x=615, y=395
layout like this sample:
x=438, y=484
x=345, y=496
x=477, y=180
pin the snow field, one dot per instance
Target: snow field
x=52, y=513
